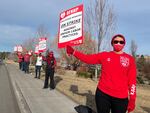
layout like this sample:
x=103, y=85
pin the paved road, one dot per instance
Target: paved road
x=8, y=103
x=36, y=99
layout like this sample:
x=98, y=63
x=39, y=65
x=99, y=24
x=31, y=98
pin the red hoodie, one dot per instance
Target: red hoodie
x=20, y=57
x=50, y=61
x=27, y=57
x=118, y=74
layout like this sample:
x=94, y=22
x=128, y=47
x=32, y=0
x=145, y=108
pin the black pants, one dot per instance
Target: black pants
x=26, y=66
x=49, y=74
x=23, y=66
x=38, y=71
x=20, y=65
x=105, y=103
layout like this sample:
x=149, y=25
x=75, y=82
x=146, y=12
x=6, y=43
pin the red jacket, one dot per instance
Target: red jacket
x=118, y=73
x=50, y=61
x=20, y=57
x=27, y=57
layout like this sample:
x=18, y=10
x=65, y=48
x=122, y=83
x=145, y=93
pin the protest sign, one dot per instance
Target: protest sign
x=71, y=27
x=42, y=44
x=15, y=49
x=19, y=48
x=36, y=49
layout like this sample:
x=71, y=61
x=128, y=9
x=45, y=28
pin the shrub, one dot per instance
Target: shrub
x=84, y=74
x=91, y=69
x=140, y=80
x=60, y=71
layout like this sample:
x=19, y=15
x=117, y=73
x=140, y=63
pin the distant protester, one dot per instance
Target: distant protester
x=38, y=66
x=26, y=62
x=20, y=60
x=49, y=71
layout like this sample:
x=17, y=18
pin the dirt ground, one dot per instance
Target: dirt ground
x=82, y=90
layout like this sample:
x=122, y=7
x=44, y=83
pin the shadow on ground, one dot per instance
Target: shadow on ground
x=90, y=106
x=57, y=80
x=147, y=109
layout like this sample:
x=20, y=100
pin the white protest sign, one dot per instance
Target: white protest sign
x=71, y=27
x=19, y=48
x=15, y=49
x=42, y=44
x=36, y=49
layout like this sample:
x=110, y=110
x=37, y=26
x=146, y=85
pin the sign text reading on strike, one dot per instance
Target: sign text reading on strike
x=71, y=23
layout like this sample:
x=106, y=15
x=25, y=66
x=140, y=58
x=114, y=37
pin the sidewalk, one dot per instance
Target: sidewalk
x=33, y=99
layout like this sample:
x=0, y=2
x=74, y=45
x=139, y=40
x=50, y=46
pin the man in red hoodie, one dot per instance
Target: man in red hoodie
x=116, y=90
x=26, y=62
x=50, y=69
x=20, y=59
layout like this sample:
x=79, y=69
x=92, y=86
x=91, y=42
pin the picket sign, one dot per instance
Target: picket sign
x=42, y=44
x=15, y=49
x=36, y=49
x=18, y=48
x=71, y=27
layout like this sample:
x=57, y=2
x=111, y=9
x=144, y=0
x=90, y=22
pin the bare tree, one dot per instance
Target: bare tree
x=54, y=44
x=28, y=44
x=100, y=21
x=42, y=31
x=89, y=44
x=133, y=48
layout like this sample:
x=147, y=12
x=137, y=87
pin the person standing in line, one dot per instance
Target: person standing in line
x=38, y=66
x=20, y=60
x=49, y=71
x=116, y=90
x=26, y=62
x=23, y=64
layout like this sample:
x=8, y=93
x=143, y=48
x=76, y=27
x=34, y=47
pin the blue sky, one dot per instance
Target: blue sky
x=19, y=20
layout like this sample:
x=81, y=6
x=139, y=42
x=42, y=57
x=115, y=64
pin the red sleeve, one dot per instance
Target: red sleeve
x=132, y=80
x=89, y=59
x=43, y=58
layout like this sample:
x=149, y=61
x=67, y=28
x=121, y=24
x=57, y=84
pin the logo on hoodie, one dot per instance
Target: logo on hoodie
x=124, y=61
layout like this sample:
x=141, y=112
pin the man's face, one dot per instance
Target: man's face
x=118, y=40
x=51, y=55
x=118, y=44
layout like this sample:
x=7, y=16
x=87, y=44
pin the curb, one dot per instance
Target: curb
x=22, y=104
